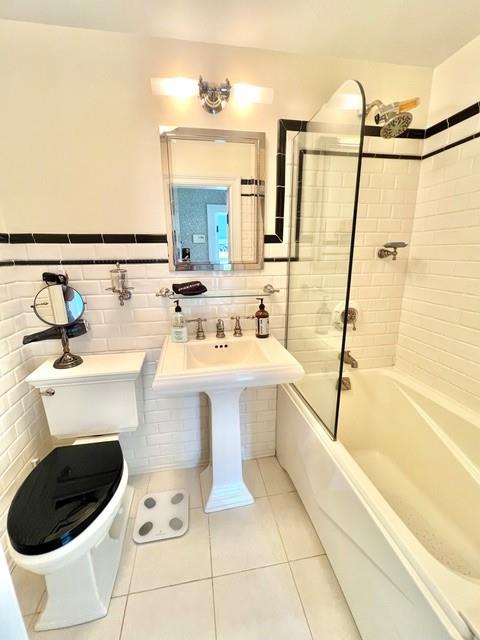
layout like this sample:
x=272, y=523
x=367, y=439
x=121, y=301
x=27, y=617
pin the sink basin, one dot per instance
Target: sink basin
x=220, y=363
x=222, y=368
x=225, y=354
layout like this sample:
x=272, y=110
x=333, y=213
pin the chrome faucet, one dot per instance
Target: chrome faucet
x=237, y=330
x=349, y=359
x=200, y=335
x=220, y=328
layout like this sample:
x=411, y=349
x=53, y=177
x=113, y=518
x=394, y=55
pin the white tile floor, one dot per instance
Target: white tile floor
x=251, y=573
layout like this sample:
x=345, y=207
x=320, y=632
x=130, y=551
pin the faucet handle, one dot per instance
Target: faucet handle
x=200, y=335
x=237, y=330
x=220, y=328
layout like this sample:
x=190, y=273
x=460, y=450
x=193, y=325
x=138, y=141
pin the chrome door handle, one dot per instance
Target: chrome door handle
x=48, y=392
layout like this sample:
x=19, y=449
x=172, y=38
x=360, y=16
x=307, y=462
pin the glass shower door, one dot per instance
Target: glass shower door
x=325, y=163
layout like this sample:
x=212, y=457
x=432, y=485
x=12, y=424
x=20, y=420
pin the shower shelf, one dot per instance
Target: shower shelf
x=267, y=291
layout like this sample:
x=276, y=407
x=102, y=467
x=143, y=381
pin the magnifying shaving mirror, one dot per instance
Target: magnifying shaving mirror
x=61, y=307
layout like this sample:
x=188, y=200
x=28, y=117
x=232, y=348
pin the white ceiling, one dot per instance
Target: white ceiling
x=413, y=32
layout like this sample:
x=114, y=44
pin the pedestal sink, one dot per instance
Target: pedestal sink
x=222, y=368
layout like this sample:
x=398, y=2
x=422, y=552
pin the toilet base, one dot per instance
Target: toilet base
x=81, y=591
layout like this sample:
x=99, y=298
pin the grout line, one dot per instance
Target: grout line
x=300, y=598
x=266, y=566
x=211, y=572
x=212, y=577
x=168, y=586
x=123, y=617
x=289, y=566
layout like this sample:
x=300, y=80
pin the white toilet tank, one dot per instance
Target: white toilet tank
x=102, y=395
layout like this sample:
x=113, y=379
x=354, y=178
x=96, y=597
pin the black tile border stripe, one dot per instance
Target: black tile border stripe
x=22, y=263
x=283, y=259
x=451, y=145
x=83, y=238
x=454, y=119
x=283, y=126
x=112, y=261
x=390, y=156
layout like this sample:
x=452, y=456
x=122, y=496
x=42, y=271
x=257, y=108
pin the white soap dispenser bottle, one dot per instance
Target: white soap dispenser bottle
x=179, y=325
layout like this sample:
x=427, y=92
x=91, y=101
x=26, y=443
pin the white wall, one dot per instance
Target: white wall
x=455, y=83
x=77, y=109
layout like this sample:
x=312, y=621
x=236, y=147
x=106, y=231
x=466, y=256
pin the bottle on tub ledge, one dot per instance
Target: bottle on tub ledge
x=179, y=332
x=261, y=321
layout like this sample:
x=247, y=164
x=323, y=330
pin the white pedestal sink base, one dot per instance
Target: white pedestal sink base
x=220, y=498
x=222, y=481
x=222, y=371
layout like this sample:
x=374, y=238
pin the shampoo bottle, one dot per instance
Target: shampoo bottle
x=261, y=321
x=179, y=325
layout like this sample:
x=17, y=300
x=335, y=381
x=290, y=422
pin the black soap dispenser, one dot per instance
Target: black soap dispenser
x=261, y=321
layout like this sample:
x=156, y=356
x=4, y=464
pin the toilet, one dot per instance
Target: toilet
x=68, y=519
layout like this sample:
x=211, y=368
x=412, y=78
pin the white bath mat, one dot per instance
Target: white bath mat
x=161, y=516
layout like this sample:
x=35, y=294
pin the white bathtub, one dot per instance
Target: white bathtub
x=395, y=500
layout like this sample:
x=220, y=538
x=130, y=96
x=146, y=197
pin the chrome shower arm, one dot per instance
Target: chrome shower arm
x=371, y=105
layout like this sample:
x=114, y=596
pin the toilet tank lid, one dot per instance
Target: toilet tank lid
x=94, y=368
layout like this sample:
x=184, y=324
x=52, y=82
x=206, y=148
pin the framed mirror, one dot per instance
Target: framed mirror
x=214, y=189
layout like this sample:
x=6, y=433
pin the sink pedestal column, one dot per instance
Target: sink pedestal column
x=222, y=481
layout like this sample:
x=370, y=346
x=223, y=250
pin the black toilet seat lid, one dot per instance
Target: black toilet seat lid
x=63, y=495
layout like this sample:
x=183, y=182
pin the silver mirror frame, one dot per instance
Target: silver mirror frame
x=210, y=135
x=36, y=304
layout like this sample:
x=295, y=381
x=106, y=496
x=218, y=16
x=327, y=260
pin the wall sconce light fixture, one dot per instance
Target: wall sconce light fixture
x=213, y=97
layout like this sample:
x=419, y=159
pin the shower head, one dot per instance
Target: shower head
x=395, y=117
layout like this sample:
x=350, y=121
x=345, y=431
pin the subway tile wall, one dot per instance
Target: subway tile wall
x=175, y=431
x=24, y=433
x=439, y=334
x=385, y=213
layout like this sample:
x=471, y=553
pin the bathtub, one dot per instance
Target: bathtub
x=395, y=501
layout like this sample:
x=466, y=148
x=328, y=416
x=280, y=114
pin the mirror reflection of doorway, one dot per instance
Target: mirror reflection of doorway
x=217, y=217
x=202, y=222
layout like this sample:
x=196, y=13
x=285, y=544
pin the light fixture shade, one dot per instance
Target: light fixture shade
x=247, y=93
x=211, y=93
x=175, y=87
